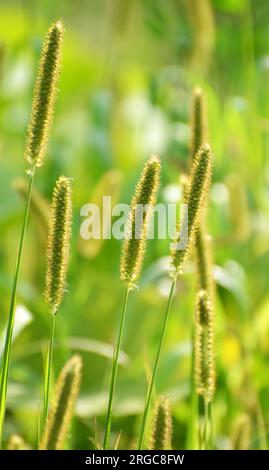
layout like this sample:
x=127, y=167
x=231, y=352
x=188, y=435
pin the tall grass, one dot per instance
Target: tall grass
x=195, y=197
x=35, y=148
x=132, y=256
x=57, y=262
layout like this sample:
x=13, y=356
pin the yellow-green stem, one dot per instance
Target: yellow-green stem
x=115, y=370
x=11, y=317
x=157, y=360
x=192, y=438
x=48, y=371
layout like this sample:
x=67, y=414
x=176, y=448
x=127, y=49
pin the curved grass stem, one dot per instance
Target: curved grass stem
x=115, y=369
x=11, y=317
x=48, y=371
x=156, y=364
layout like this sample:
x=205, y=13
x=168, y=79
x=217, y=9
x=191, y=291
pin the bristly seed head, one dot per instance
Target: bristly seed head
x=205, y=376
x=195, y=197
x=58, y=242
x=141, y=207
x=44, y=96
x=161, y=438
x=61, y=412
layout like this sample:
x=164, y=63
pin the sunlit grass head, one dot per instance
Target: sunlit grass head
x=161, y=437
x=134, y=244
x=205, y=376
x=61, y=412
x=58, y=242
x=45, y=91
x=195, y=197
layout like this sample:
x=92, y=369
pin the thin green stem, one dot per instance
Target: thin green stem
x=192, y=441
x=261, y=426
x=210, y=428
x=206, y=424
x=114, y=370
x=11, y=317
x=48, y=371
x=157, y=360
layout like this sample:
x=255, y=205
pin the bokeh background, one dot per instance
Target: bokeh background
x=129, y=67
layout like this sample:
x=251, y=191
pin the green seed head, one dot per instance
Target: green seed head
x=161, y=438
x=44, y=96
x=134, y=244
x=61, y=412
x=198, y=121
x=58, y=242
x=205, y=376
x=195, y=197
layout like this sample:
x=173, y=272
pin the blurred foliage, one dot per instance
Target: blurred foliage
x=128, y=71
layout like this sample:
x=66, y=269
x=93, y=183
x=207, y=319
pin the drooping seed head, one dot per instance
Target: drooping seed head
x=58, y=242
x=61, y=412
x=205, y=376
x=161, y=438
x=141, y=207
x=195, y=197
x=198, y=124
x=44, y=96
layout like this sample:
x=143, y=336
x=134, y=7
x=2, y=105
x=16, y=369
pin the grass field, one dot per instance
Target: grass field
x=128, y=71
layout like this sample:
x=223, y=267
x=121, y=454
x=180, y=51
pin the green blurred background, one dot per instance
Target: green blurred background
x=129, y=67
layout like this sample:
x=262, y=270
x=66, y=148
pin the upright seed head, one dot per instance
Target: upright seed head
x=161, y=438
x=205, y=376
x=198, y=123
x=58, y=243
x=141, y=207
x=195, y=197
x=61, y=412
x=44, y=96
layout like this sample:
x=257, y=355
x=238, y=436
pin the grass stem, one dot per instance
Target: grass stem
x=11, y=317
x=115, y=369
x=157, y=360
x=192, y=438
x=48, y=371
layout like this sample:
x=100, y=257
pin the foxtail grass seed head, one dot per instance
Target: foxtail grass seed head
x=195, y=197
x=61, y=412
x=161, y=438
x=205, y=376
x=58, y=242
x=45, y=91
x=141, y=207
x=198, y=121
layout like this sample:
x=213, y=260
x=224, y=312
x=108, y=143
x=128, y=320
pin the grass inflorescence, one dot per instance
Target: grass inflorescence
x=141, y=205
x=45, y=91
x=195, y=197
x=162, y=429
x=58, y=242
x=61, y=412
